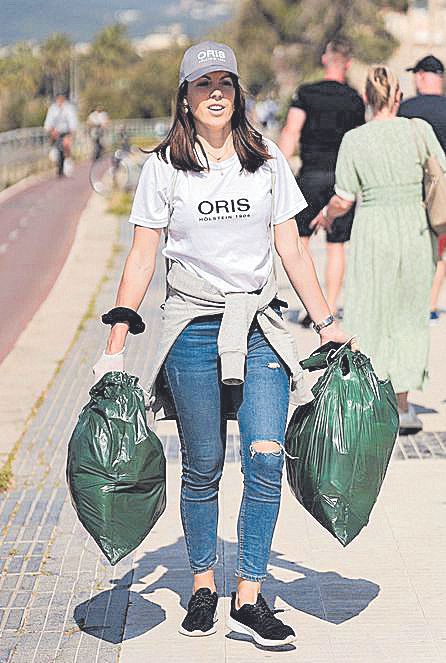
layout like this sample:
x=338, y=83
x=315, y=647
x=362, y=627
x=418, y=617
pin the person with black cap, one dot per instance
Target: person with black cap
x=430, y=105
x=225, y=197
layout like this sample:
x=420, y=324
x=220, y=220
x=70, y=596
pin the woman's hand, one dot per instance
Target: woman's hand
x=116, y=340
x=336, y=334
x=109, y=362
x=320, y=221
x=113, y=359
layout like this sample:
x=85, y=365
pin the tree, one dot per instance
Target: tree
x=155, y=81
x=20, y=76
x=56, y=55
x=107, y=70
x=303, y=27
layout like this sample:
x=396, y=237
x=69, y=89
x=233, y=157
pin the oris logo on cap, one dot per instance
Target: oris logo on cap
x=210, y=54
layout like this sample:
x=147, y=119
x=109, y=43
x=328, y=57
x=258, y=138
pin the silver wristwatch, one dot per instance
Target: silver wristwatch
x=325, y=323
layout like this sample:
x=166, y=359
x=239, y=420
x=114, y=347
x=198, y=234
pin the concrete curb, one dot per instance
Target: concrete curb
x=28, y=370
x=23, y=184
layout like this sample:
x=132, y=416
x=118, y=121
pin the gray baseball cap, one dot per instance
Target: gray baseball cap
x=206, y=57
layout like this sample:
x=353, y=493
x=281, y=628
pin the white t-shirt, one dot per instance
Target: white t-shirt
x=98, y=118
x=61, y=118
x=219, y=228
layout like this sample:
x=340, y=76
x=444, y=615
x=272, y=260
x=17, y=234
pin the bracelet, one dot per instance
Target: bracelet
x=325, y=323
x=124, y=314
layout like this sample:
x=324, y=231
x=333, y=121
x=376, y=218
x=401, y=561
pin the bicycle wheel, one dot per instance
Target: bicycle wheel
x=108, y=174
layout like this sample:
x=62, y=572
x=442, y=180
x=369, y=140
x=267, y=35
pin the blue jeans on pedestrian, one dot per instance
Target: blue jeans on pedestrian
x=192, y=369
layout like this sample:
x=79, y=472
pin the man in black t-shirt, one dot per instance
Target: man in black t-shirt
x=430, y=105
x=319, y=116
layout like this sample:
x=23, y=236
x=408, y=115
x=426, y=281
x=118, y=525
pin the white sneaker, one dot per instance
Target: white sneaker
x=409, y=420
x=68, y=167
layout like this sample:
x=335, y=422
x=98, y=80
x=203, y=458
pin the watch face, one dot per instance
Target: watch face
x=324, y=323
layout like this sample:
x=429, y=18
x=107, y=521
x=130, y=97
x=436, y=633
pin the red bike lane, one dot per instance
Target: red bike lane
x=37, y=229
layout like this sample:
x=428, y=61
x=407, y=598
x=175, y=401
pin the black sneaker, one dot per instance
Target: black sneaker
x=259, y=622
x=200, y=619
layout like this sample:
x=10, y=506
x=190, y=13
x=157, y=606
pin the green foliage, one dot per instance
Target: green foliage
x=20, y=76
x=301, y=29
x=154, y=82
x=56, y=54
x=106, y=72
x=120, y=203
x=112, y=49
x=266, y=34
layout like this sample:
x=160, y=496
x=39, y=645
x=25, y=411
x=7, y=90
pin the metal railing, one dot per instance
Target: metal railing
x=25, y=151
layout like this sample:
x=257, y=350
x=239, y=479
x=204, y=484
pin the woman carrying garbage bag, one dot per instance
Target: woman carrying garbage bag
x=217, y=187
x=392, y=262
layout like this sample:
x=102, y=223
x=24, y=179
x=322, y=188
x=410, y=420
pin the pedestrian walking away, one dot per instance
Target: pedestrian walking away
x=430, y=105
x=224, y=196
x=392, y=252
x=61, y=123
x=319, y=116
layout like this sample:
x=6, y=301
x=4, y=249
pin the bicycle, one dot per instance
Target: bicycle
x=58, y=156
x=116, y=170
x=97, y=136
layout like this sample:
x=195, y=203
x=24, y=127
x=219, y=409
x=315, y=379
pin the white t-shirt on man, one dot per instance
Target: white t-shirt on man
x=61, y=118
x=98, y=118
x=220, y=223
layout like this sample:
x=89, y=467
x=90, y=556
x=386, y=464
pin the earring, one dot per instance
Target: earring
x=186, y=106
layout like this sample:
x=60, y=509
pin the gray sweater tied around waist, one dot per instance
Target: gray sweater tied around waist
x=190, y=296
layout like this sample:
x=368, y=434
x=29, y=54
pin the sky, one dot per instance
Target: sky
x=36, y=19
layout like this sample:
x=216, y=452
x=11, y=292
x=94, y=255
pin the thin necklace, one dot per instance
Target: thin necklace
x=218, y=157
x=215, y=156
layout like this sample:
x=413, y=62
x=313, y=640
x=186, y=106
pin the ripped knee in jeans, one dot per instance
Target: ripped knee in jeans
x=265, y=447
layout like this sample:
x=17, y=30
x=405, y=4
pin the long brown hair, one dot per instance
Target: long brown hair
x=182, y=137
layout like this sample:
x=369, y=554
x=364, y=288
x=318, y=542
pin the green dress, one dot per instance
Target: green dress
x=391, y=260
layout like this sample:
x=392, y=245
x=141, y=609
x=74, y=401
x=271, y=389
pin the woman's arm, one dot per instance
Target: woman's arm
x=337, y=206
x=136, y=277
x=300, y=270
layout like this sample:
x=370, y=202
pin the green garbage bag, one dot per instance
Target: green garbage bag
x=116, y=469
x=339, y=444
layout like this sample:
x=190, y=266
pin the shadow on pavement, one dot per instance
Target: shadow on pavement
x=420, y=409
x=104, y=615
x=326, y=595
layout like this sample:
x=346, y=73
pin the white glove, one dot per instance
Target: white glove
x=106, y=363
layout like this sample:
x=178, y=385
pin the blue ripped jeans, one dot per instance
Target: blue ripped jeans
x=193, y=375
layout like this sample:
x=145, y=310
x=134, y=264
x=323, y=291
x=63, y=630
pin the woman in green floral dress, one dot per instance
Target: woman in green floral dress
x=392, y=258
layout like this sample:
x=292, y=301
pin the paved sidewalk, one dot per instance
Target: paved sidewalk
x=381, y=599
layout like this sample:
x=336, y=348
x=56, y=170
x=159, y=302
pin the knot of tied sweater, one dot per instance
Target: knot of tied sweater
x=238, y=316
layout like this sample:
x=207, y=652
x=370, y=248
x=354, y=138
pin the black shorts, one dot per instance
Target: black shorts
x=317, y=187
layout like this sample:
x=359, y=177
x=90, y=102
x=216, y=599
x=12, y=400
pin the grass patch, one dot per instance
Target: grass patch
x=6, y=472
x=120, y=203
x=146, y=143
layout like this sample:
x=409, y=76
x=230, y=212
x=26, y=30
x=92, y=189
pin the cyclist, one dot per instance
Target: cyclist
x=98, y=121
x=61, y=123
